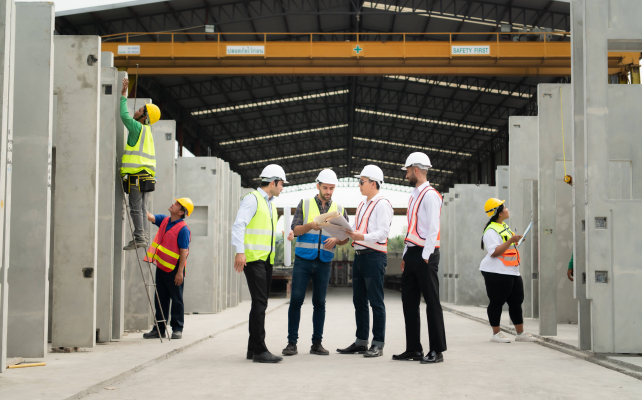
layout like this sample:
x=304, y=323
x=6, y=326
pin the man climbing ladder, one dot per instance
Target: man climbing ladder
x=138, y=167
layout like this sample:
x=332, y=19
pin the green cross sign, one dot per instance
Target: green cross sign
x=357, y=49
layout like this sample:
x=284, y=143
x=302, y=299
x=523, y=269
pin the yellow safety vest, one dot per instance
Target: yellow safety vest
x=141, y=156
x=510, y=258
x=260, y=233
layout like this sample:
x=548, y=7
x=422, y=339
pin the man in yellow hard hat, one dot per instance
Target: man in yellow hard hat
x=138, y=166
x=169, y=252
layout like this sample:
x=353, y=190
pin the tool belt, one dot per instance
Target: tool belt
x=144, y=181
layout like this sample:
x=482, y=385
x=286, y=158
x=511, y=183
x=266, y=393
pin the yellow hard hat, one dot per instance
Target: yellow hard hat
x=187, y=203
x=154, y=113
x=491, y=206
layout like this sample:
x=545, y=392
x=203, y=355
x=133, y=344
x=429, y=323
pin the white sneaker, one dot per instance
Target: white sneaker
x=499, y=338
x=525, y=337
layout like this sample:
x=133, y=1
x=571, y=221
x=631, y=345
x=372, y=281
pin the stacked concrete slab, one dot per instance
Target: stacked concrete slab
x=555, y=211
x=613, y=199
x=109, y=117
x=30, y=184
x=522, y=161
x=468, y=221
x=7, y=46
x=76, y=84
x=443, y=250
x=453, y=198
x=502, y=180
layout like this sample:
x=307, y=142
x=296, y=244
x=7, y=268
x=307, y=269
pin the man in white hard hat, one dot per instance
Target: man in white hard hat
x=420, y=265
x=314, y=252
x=370, y=240
x=254, y=237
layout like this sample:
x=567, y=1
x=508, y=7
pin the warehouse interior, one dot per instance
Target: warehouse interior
x=544, y=115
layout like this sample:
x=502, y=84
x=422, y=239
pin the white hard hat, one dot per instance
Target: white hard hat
x=273, y=172
x=371, y=172
x=417, y=159
x=327, y=176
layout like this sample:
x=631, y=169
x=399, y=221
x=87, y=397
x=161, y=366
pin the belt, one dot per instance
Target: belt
x=360, y=252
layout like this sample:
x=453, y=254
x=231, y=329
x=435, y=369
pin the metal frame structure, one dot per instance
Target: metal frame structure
x=341, y=121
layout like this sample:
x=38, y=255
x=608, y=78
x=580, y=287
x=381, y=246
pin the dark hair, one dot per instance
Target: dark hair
x=492, y=219
x=378, y=186
x=184, y=210
x=264, y=184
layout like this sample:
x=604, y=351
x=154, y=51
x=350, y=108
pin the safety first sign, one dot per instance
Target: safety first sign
x=470, y=50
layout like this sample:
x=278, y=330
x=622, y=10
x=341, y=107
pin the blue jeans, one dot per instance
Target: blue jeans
x=319, y=272
x=367, y=286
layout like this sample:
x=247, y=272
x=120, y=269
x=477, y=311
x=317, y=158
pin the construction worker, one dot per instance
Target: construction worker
x=500, y=269
x=254, y=237
x=138, y=166
x=370, y=240
x=169, y=252
x=420, y=265
x=314, y=252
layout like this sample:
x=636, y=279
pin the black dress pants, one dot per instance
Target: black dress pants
x=259, y=277
x=167, y=290
x=420, y=278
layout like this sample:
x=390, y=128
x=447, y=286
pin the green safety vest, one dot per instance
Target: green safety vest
x=140, y=157
x=260, y=233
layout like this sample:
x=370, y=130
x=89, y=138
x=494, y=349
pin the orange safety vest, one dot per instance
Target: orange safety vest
x=510, y=257
x=363, y=227
x=164, y=251
x=412, y=214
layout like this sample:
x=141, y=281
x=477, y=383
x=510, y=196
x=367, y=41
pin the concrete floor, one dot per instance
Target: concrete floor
x=216, y=367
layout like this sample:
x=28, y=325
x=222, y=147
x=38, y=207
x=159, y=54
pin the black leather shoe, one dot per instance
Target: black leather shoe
x=250, y=355
x=153, y=334
x=177, y=335
x=353, y=349
x=433, y=357
x=318, y=349
x=266, y=357
x=290, y=349
x=375, y=351
x=409, y=356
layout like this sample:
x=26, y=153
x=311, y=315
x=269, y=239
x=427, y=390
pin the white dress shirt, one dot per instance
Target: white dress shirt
x=428, y=216
x=378, y=223
x=244, y=216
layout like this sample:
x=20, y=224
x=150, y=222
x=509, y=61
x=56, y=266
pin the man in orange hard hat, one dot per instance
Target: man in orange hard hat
x=169, y=252
x=138, y=167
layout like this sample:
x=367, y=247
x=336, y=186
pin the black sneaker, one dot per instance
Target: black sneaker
x=153, y=334
x=290, y=349
x=318, y=349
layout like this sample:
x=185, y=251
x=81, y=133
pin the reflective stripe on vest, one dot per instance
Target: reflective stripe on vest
x=510, y=258
x=310, y=243
x=363, y=227
x=141, y=156
x=164, y=251
x=260, y=233
x=413, y=215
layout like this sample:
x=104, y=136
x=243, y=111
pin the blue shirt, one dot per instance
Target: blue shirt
x=183, y=235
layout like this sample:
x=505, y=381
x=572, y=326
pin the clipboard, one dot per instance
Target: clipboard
x=524, y=235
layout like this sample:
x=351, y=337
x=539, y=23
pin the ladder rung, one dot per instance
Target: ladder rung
x=153, y=284
x=162, y=320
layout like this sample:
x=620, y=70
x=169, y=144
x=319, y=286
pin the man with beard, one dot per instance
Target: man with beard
x=314, y=252
x=420, y=265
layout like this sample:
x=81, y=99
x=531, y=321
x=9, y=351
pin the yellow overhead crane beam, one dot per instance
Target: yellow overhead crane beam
x=437, y=55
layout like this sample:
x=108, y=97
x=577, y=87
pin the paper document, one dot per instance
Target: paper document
x=524, y=235
x=334, y=224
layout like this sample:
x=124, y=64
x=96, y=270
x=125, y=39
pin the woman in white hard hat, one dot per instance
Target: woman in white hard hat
x=500, y=269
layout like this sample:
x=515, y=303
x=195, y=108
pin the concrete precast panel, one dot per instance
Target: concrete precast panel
x=522, y=164
x=28, y=275
x=502, y=182
x=554, y=208
x=443, y=249
x=469, y=223
x=528, y=251
x=109, y=117
x=453, y=198
x=120, y=223
x=579, y=175
x=77, y=85
x=138, y=315
x=196, y=178
x=225, y=237
x=7, y=46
